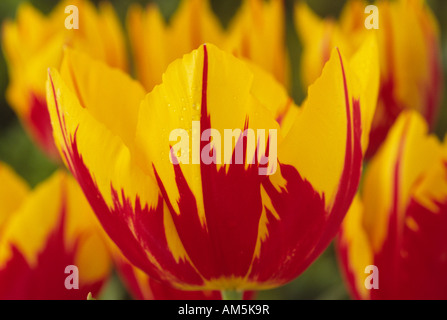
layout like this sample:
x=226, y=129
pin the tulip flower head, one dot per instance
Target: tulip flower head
x=217, y=225
x=34, y=42
x=51, y=245
x=409, y=54
x=399, y=222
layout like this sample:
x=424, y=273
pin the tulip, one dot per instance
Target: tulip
x=34, y=42
x=257, y=33
x=44, y=231
x=217, y=226
x=410, y=59
x=399, y=221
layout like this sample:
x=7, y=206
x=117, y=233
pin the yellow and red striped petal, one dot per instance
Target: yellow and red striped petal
x=400, y=225
x=52, y=228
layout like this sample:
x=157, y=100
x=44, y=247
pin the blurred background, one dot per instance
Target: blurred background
x=322, y=280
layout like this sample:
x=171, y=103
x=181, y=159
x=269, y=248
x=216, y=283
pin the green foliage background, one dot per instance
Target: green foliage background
x=322, y=280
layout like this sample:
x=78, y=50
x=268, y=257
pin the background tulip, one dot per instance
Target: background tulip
x=256, y=32
x=34, y=42
x=41, y=233
x=410, y=56
x=212, y=227
x=399, y=221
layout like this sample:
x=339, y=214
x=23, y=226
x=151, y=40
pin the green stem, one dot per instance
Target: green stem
x=232, y=294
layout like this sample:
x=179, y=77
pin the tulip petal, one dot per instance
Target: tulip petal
x=13, y=191
x=125, y=199
x=99, y=89
x=355, y=252
x=305, y=211
x=334, y=137
x=257, y=32
x=191, y=25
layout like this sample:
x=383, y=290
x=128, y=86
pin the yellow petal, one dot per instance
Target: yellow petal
x=365, y=66
x=13, y=191
x=316, y=143
x=257, y=32
x=109, y=95
x=257, y=25
x=191, y=25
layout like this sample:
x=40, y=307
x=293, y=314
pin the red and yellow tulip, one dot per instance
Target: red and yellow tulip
x=257, y=33
x=410, y=59
x=41, y=233
x=399, y=222
x=34, y=42
x=219, y=226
